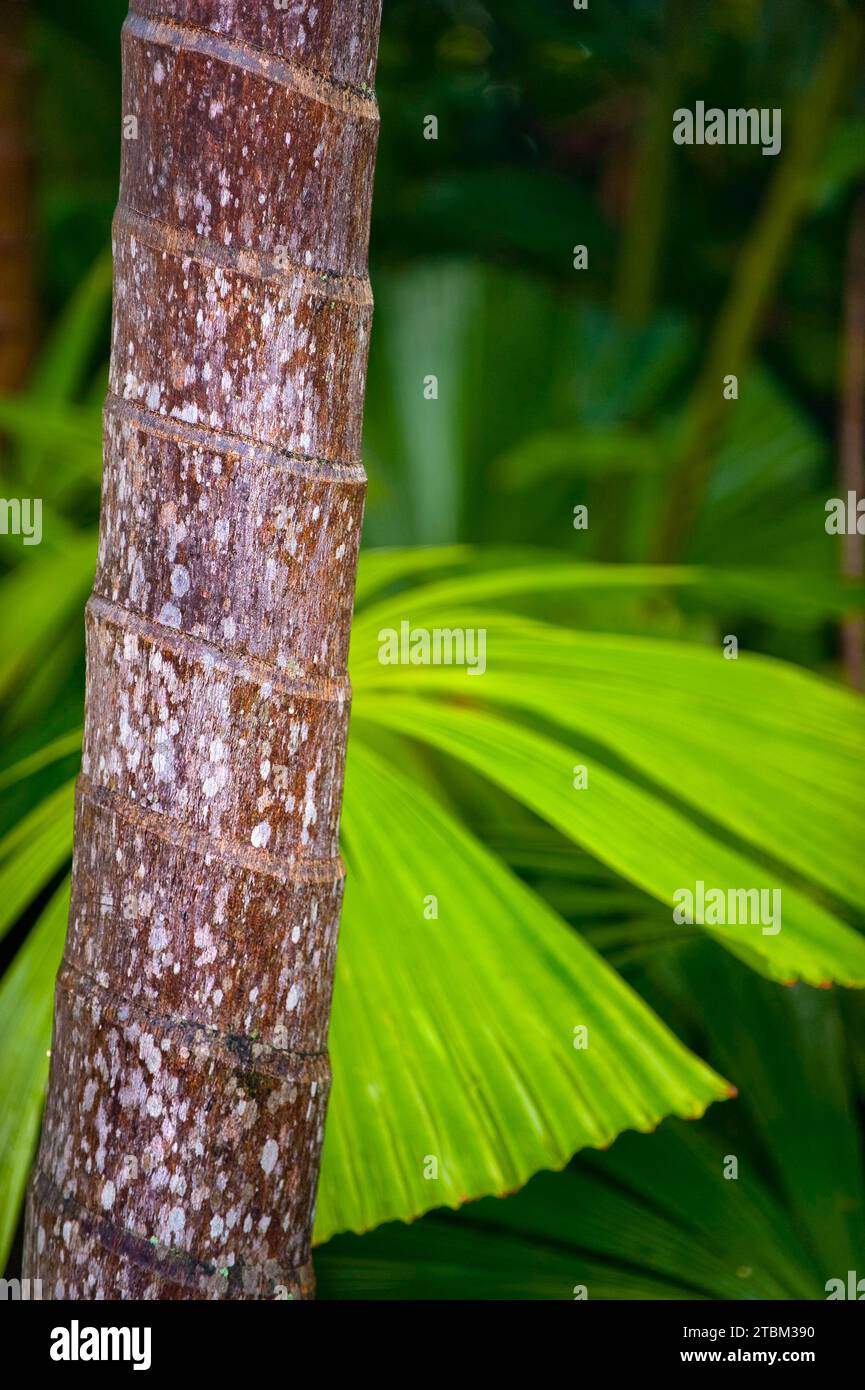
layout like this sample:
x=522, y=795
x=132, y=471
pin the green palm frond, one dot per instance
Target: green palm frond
x=453, y=1029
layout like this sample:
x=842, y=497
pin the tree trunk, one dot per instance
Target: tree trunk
x=189, y=1075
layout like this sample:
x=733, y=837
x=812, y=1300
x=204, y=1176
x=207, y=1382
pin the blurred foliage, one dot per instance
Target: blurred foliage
x=557, y=387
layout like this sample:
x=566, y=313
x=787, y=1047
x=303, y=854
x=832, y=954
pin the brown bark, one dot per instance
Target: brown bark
x=189, y=1074
x=17, y=266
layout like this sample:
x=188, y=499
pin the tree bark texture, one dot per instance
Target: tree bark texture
x=189, y=1073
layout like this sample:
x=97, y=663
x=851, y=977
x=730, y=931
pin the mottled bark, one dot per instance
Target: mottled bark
x=189, y=1072
x=17, y=265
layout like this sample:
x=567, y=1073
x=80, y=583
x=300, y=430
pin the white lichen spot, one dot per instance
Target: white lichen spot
x=169, y=615
x=149, y=1053
x=261, y=835
x=163, y=757
x=180, y=580
x=269, y=1155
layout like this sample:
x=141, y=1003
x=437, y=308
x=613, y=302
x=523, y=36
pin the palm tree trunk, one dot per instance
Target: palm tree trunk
x=189, y=1075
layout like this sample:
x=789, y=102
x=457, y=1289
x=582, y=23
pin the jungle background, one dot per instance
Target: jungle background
x=453, y=1036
